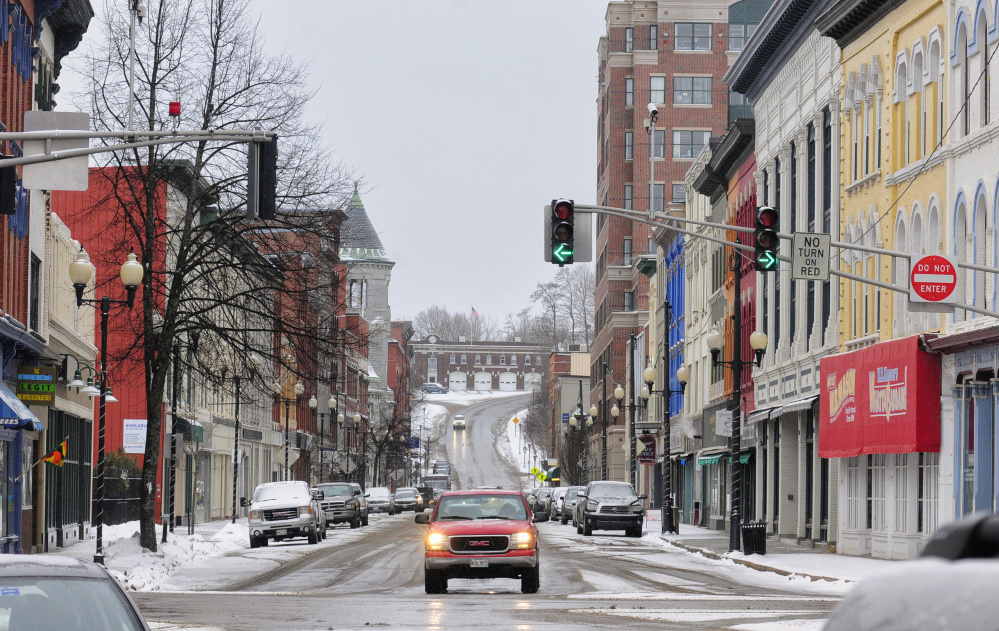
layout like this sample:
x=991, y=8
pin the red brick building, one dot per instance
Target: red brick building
x=672, y=53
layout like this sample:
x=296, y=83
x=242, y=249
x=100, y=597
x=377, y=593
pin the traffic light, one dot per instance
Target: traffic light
x=563, y=223
x=261, y=187
x=767, y=241
x=8, y=190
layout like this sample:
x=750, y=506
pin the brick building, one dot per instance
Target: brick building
x=482, y=366
x=673, y=53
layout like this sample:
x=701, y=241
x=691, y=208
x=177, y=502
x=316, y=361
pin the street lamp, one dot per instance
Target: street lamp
x=80, y=271
x=255, y=363
x=666, y=499
x=758, y=342
x=357, y=428
x=313, y=404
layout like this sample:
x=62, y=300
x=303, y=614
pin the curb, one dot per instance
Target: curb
x=750, y=564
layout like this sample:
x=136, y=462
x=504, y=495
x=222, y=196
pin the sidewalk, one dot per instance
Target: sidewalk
x=784, y=558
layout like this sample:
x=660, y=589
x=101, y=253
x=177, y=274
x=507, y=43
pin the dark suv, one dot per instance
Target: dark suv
x=610, y=506
x=340, y=505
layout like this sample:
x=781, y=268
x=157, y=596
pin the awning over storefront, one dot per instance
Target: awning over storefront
x=762, y=415
x=709, y=459
x=711, y=455
x=799, y=405
x=882, y=399
x=14, y=414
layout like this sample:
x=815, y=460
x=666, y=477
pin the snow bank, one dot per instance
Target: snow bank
x=511, y=449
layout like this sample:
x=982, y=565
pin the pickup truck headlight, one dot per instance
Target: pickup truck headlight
x=636, y=508
x=304, y=510
x=437, y=541
x=522, y=540
x=591, y=505
x=255, y=515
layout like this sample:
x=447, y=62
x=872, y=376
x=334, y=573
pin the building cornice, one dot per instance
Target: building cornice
x=846, y=20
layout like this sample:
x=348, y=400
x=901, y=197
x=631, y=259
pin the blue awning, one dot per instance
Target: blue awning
x=14, y=414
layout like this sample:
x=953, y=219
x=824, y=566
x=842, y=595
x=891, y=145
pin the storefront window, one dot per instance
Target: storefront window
x=968, y=439
x=6, y=491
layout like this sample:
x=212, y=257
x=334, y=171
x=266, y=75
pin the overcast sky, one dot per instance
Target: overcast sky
x=462, y=118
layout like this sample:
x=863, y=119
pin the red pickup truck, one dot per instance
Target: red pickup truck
x=481, y=534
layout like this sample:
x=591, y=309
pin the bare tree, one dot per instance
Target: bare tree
x=251, y=289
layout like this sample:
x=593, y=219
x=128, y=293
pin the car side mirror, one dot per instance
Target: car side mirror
x=423, y=518
x=243, y=503
x=367, y=495
x=541, y=516
x=643, y=496
x=581, y=496
x=318, y=495
x=356, y=493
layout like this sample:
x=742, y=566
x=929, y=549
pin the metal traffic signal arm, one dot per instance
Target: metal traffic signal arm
x=666, y=219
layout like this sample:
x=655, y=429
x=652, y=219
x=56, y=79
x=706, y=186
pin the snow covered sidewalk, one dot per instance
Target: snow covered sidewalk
x=782, y=558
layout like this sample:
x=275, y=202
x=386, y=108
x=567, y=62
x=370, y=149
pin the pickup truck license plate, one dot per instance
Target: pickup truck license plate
x=480, y=563
x=281, y=532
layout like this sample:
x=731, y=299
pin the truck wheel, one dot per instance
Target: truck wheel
x=364, y=521
x=313, y=537
x=434, y=581
x=530, y=581
x=587, y=529
x=355, y=523
x=563, y=520
x=254, y=542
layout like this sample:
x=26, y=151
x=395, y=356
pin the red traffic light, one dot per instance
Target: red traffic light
x=563, y=209
x=768, y=217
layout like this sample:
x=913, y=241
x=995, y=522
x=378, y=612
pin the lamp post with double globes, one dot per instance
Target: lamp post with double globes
x=758, y=342
x=616, y=411
x=80, y=271
x=666, y=499
x=357, y=428
x=277, y=389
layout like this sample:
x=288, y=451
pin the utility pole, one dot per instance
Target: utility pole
x=629, y=435
x=736, y=446
x=603, y=425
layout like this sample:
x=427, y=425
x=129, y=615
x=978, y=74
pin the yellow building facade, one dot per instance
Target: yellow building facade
x=893, y=156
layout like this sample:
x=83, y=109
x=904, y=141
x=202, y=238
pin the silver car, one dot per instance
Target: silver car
x=380, y=500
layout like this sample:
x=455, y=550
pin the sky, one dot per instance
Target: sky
x=462, y=119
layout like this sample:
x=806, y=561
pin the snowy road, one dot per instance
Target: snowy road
x=372, y=577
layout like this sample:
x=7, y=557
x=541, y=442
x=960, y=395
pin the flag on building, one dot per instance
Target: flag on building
x=475, y=314
x=57, y=456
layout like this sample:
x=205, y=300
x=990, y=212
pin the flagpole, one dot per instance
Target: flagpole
x=37, y=462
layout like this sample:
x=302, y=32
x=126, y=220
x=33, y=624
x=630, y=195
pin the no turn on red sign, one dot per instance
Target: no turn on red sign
x=933, y=279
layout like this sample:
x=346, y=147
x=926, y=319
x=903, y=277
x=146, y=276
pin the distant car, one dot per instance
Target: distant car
x=408, y=498
x=41, y=591
x=359, y=492
x=380, y=500
x=557, y=494
x=285, y=510
x=340, y=505
x=458, y=422
x=543, y=500
x=427, y=493
x=567, y=513
x=481, y=534
x=434, y=388
x=610, y=505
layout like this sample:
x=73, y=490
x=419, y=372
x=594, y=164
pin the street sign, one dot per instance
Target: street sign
x=539, y=474
x=648, y=454
x=413, y=442
x=565, y=417
x=71, y=174
x=723, y=423
x=810, y=256
x=515, y=420
x=933, y=279
x=36, y=386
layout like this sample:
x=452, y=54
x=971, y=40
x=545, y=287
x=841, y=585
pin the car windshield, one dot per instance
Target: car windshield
x=571, y=494
x=544, y=492
x=611, y=490
x=66, y=604
x=405, y=492
x=336, y=490
x=481, y=506
x=280, y=492
x=378, y=491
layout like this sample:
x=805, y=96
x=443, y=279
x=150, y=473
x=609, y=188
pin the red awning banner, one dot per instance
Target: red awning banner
x=883, y=399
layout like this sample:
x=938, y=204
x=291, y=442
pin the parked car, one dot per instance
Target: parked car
x=340, y=505
x=434, y=388
x=427, y=493
x=43, y=591
x=285, y=510
x=610, y=506
x=380, y=500
x=481, y=534
x=359, y=492
x=458, y=422
x=408, y=498
x=557, y=494
x=543, y=500
x=567, y=513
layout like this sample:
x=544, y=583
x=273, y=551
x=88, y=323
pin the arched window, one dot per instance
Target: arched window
x=980, y=247
x=961, y=252
x=962, y=62
x=919, y=107
x=901, y=271
x=902, y=108
x=981, y=38
x=916, y=246
x=935, y=90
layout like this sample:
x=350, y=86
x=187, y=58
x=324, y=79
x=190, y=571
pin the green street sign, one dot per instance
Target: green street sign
x=767, y=261
x=562, y=253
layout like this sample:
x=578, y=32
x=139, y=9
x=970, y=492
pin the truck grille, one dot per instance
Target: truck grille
x=279, y=514
x=615, y=510
x=478, y=545
x=334, y=505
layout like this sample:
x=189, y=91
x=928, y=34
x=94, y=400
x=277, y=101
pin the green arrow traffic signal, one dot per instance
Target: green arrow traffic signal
x=562, y=253
x=766, y=261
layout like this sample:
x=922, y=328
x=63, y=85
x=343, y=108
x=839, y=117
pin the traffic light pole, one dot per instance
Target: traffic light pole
x=736, y=446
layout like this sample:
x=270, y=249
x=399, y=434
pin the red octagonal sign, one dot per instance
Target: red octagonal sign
x=933, y=279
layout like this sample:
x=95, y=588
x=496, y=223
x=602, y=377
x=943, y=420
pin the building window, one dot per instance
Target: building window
x=452, y=358
x=35, y=307
x=739, y=34
x=654, y=37
x=629, y=145
x=489, y=360
x=513, y=360
x=679, y=194
x=478, y=360
x=629, y=301
x=527, y=360
x=692, y=36
x=651, y=246
x=657, y=90
x=658, y=194
x=629, y=92
x=627, y=251
x=464, y=359
x=629, y=39
x=810, y=178
x=688, y=143
x=502, y=360
x=927, y=493
x=659, y=143
x=691, y=90
x=432, y=362
x=28, y=478
x=629, y=197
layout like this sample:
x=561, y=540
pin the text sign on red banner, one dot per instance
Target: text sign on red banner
x=933, y=278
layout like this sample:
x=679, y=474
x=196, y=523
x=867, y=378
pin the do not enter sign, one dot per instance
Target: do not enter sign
x=933, y=279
